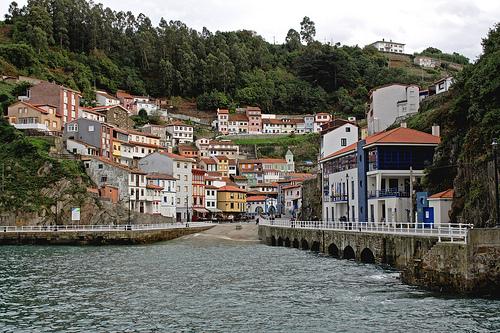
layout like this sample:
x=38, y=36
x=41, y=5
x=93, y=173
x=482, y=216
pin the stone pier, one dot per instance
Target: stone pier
x=85, y=237
x=471, y=268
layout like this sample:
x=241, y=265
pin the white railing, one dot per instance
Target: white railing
x=452, y=232
x=111, y=227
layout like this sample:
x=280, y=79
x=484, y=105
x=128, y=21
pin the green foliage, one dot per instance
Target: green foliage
x=212, y=101
x=454, y=57
x=29, y=170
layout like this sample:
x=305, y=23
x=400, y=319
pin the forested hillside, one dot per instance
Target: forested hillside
x=82, y=45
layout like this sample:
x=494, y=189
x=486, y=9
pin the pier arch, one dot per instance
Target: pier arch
x=367, y=256
x=348, y=253
x=295, y=243
x=287, y=242
x=304, y=245
x=333, y=250
x=280, y=241
x=315, y=246
x=273, y=241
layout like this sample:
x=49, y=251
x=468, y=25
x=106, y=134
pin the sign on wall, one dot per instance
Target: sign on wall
x=75, y=214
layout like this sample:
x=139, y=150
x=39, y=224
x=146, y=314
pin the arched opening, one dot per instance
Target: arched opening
x=271, y=210
x=315, y=246
x=287, y=242
x=280, y=241
x=273, y=241
x=295, y=243
x=304, y=245
x=333, y=250
x=259, y=210
x=349, y=253
x=367, y=256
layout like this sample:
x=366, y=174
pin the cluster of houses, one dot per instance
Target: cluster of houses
x=367, y=174
x=251, y=120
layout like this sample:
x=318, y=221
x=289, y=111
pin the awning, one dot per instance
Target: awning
x=200, y=210
x=214, y=210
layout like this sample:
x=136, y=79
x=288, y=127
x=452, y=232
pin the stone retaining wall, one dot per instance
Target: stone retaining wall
x=118, y=237
x=471, y=268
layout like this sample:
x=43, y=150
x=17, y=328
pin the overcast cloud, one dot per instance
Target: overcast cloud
x=446, y=24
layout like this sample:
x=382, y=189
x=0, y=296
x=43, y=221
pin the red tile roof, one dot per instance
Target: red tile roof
x=177, y=157
x=403, y=135
x=290, y=186
x=448, y=194
x=238, y=117
x=228, y=188
x=154, y=187
x=224, y=111
x=162, y=176
x=348, y=149
x=256, y=198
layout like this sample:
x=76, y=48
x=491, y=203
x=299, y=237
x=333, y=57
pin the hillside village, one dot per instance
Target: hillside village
x=163, y=169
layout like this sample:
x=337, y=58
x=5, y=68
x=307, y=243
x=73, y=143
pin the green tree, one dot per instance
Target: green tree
x=307, y=30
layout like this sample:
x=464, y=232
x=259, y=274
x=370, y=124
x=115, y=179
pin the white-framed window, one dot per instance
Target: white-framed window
x=343, y=142
x=91, y=128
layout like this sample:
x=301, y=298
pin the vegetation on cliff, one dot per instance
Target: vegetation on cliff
x=469, y=116
x=29, y=175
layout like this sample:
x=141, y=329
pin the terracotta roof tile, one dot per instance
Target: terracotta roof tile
x=448, y=194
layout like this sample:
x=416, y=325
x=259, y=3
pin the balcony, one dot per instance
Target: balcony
x=391, y=192
x=335, y=198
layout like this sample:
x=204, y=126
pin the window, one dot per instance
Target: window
x=343, y=142
x=100, y=166
x=91, y=128
x=347, y=129
x=104, y=179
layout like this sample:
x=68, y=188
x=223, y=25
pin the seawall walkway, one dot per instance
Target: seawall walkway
x=97, y=234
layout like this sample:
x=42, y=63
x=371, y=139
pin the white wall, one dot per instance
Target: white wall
x=441, y=208
x=331, y=141
x=384, y=105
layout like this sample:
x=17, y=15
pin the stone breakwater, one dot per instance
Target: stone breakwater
x=84, y=237
x=472, y=268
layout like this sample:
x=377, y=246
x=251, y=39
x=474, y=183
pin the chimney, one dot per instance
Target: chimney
x=436, y=130
x=404, y=124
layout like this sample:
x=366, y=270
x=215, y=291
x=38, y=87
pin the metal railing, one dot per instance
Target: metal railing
x=452, y=232
x=391, y=192
x=111, y=227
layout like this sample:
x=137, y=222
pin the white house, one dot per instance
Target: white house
x=105, y=99
x=293, y=199
x=390, y=102
x=389, y=46
x=337, y=134
x=166, y=185
x=440, y=204
x=180, y=132
x=211, y=198
x=443, y=84
x=261, y=204
x=222, y=120
x=180, y=167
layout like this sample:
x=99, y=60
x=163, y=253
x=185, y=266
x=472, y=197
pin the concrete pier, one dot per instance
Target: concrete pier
x=117, y=235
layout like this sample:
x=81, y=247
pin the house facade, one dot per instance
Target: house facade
x=222, y=120
x=390, y=102
x=181, y=168
x=369, y=181
x=389, y=46
x=65, y=100
x=166, y=185
x=24, y=115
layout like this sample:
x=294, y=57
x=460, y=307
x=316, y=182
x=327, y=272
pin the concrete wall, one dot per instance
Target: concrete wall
x=471, y=268
x=95, y=237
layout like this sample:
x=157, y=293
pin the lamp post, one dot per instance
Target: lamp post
x=129, y=209
x=494, y=144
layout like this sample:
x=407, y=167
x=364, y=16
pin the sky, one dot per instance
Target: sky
x=449, y=25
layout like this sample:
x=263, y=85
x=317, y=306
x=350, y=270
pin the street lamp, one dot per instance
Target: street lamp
x=494, y=144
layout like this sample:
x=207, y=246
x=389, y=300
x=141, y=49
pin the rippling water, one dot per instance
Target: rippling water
x=205, y=285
